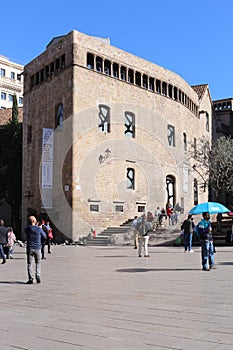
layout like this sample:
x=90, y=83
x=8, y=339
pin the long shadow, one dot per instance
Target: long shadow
x=12, y=282
x=133, y=270
x=225, y=263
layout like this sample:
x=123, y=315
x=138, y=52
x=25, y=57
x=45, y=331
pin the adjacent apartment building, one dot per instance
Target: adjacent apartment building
x=107, y=136
x=11, y=82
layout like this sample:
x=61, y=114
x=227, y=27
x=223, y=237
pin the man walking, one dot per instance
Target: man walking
x=3, y=240
x=143, y=228
x=188, y=226
x=34, y=235
x=206, y=238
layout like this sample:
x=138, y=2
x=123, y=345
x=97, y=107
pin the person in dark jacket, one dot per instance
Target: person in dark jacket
x=34, y=236
x=188, y=226
x=3, y=240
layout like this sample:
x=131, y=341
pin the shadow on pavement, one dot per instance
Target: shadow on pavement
x=132, y=270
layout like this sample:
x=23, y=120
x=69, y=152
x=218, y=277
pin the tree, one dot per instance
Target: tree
x=214, y=165
x=221, y=166
x=11, y=165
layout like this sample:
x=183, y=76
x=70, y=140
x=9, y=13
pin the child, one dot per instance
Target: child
x=11, y=242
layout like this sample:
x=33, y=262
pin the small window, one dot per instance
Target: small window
x=171, y=135
x=19, y=77
x=145, y=81
x=107, y=67
x=63, y=62
x=138, y=79
x=123, y=73
x=52, y=67
x=170, y=91
x=42, y=75
x=141, y=209
x=32, y=81
x=115, y=70
x=99, y=64
x=175, y=94
x=94, y=207
x=119, y=208
x=12, y=75
x=3, y=96
x=47, y=72
x=2, y=72
x=20, y=100
x=37, y=78
x=185, y=141
x=59, y=116
x=104, y=118
x=152, y=84
x=10, y=98
x=207, y=122
x=164, y=89
x=57, y=64
x=131, y=76
x=130, y=178
x=129, y=124
x=158, y=86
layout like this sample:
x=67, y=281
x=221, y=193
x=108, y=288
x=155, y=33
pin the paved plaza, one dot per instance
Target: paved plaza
x=107, y=298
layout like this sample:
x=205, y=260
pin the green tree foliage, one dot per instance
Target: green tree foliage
x=215, y=164
x=11, y=165
x=221, y=166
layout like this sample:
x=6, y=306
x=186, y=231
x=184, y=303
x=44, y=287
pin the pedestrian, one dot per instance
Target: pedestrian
x=11, y=242
x=188, y=227
x=204, y=231
x=50, y=235
x=143, y=228
x=135, y=232
x=42, y=225
x=3, y=240
x=34, y=236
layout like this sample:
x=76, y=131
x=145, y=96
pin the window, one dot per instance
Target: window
x=3, y=96
x=207, y=125
x=145, y=81
x=158, y=86
x=195, y=192
x=170, y=188
x=99, y=64
x=63, y=61
x=123, y=73
x=2, y=72
x=115, y=70
x=57, y=64
x=47, y=72
x=130, y=178
x=131, y=76
x=107, y=67
x=90, y=61
x=42, y=75
x=141, y=209
x=119, y=208
x=59, y=116
x=20, y=100
x=175, y=94
x=13, y=75
x=129, y=124
x=152, y=84
x=52, y=67
x=19, y=77
x=94, y=207
x=138, y=79
x=185, y=141
x=164, y=89
x=170, y=91
x=171, y=135
x=104, y=118
x=10, y=98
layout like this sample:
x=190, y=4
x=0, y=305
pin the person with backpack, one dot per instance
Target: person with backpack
x=188, y=227
x=204, y=232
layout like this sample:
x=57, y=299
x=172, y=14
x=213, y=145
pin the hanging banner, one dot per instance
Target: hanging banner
x=47, y=168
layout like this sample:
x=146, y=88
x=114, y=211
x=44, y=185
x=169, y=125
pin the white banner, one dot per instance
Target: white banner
x=47, y=159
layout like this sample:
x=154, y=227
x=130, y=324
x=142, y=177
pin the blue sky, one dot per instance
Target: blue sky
x=191, y=38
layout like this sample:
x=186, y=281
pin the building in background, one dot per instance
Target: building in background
x=107, y=136
x=11, y=82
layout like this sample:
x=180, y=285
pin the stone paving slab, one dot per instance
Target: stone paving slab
x=107, y=298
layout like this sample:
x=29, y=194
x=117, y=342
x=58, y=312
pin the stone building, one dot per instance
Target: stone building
x=223, y=118
x=11, y=82
x=107, y=135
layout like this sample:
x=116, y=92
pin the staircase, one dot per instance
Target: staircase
x=123, y=235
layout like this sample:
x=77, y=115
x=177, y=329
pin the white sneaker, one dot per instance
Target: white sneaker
x=191, y=251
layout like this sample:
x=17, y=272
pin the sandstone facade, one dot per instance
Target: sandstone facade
x=122, y=131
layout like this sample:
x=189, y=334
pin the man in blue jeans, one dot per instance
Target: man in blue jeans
x=188, y=226
x=34, y=235
x=206, y=238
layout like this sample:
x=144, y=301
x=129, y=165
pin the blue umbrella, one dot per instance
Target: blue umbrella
x=209, y=207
